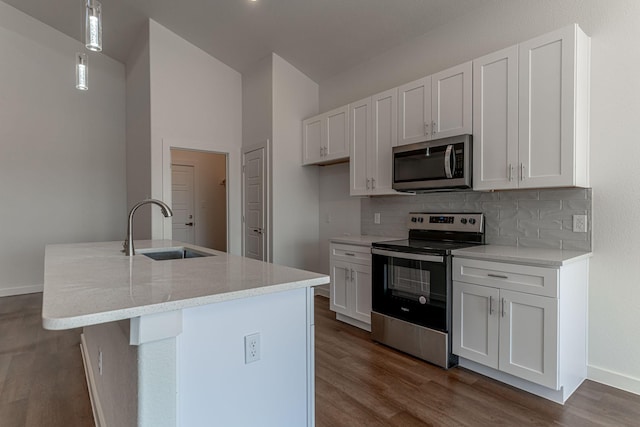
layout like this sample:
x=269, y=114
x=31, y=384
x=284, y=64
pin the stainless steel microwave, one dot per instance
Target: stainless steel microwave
x=442, y=164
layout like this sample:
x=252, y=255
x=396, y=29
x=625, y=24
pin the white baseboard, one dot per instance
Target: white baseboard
x=98, y=414
x=613, y=379
x=321, y=291
x=21, y=290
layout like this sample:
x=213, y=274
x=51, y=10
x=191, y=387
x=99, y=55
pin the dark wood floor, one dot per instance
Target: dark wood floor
x=358, y=383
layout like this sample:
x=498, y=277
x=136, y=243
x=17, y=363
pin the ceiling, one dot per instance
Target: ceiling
x=319, y=37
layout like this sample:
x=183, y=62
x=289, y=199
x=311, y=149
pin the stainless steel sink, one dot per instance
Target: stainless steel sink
x=172, y=253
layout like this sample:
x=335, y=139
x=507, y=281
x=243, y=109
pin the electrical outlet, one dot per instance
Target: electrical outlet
x=376, y=218
x=252, y=348
x=579, y=223
x=100, y=361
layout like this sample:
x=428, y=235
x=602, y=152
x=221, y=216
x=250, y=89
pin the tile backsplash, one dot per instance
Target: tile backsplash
x=531, y=218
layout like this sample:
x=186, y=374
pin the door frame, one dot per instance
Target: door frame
x=205, y=147
x=266, y=145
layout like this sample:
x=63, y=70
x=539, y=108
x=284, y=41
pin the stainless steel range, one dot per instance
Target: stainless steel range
x=411, y=284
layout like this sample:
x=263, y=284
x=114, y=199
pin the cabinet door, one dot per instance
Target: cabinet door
x=339, y=288
x=414, y=111
x=547, y=110
x=360, y=303
x=529, y=337
x=312, y=147
x=475, y=323
x=495, y=120
x=384, y=138
x=451, y=102
x=359, y=139
x=337, y=133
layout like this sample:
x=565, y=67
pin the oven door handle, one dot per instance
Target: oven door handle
x=404, y=255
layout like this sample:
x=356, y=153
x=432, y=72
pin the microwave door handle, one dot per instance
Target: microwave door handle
x=447, y=161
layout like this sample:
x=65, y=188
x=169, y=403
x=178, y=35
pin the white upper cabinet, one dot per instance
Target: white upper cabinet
x=495, y=120
x=451, y=102
x=325, y=137
x=436, y=106
x=553, y=109
x=545, y=83
x=414, y=107
x=372, y=136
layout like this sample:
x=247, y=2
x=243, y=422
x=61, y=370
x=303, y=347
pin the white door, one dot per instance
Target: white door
x=337, y=133
x=254, y=204
x=360, y=303
x=451, y=101
x=312, y=145
x=340, y=286
x=547, y=110
x=414, y=111
x=183, y=203
x=359, y=136
x=495, y=120
x=529, y=337
x=476, y=319
x=383, y=139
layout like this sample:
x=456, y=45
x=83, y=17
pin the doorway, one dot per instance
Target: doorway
x=199, y=198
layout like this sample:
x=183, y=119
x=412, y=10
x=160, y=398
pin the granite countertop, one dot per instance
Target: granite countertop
x=92, y=283
x=521, y=255
x=362, y=240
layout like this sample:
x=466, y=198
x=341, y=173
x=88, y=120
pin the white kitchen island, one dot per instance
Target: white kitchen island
x=164, y=341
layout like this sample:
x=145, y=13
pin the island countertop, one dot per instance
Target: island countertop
x=92, y=283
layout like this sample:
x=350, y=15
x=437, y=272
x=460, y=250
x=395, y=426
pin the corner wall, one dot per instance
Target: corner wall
x=295, y=188
x=62, y=150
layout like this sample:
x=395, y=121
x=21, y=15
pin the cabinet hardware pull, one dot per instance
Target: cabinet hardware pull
x=352, y=275
x=510, y=172
x=373, y=183
x=349, y=254
x=367, y=183
x=499, y=276
x=503, y=304
x=490, y=304
x=521, y=171
x=433, y=128
x=426, y=128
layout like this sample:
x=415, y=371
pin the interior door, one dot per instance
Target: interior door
x=254, y=204
x=183, y=201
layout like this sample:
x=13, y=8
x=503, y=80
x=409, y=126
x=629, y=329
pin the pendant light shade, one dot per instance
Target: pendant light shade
x=93, y=25
x=82, y=72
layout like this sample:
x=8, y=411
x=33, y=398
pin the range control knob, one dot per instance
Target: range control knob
x=472, y=221
x=422, y=300
x=463, y=220
x=420, y=219
x=414, y=219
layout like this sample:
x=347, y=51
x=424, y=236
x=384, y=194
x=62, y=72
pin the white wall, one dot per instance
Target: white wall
x=196, y=103
x=295, y=188
x=62, y=151
x=614, y=27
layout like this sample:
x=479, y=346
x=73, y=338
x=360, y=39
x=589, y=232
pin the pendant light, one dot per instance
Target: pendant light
x=82, y=72
x=93, y=25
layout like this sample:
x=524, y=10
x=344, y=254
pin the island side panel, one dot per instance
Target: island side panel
x=114, y=385
x=217, y=387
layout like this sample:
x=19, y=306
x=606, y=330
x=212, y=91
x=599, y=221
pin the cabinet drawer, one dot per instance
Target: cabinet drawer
x=351, y=253
x=521, y=278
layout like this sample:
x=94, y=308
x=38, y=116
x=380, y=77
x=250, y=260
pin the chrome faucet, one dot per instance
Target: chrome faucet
x=128, y=243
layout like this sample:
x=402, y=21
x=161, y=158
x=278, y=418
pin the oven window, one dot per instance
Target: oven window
x=411, y=279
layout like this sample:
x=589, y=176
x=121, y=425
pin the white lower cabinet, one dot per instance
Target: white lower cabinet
x=517, y=322
x=350, y=289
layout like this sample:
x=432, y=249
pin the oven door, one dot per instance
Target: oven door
x=411, y=287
